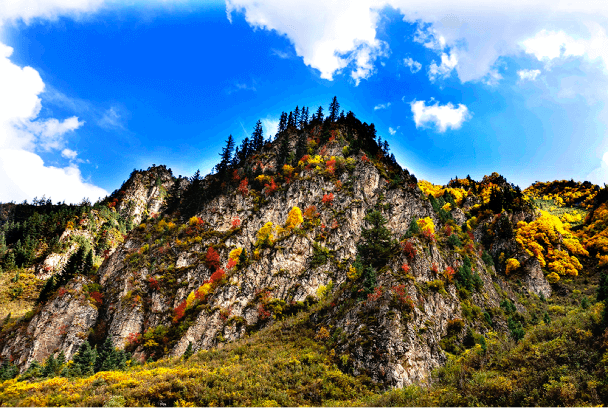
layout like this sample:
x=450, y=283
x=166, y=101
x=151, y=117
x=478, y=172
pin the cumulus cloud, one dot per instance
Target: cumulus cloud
x=270, y=126
x=382, y=106
x=448, y=63
x=22, y=133
x=27, y=10
x=329, y=35
x=442, y=116
x=69, y=154
x=528, y=74
x=599, y=176
x=415, y=66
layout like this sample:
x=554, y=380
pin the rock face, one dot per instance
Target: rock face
x=393, y=335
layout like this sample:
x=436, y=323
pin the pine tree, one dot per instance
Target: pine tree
x=226, y=156
x=283, y=122
x=304, y=118
x=245, y=151
x=50, y=366
x=88, y=263
x=49, y=287
x=376, y=242
x=84, y=359
x=334, y=109
x=319, y=115
x=602, y=290
x=300, y=146
x=257, y=136
x=8, y=370
x=189, y=351
x=296, y=116
x=107, y=356
x=283, y=150
x=290, y=121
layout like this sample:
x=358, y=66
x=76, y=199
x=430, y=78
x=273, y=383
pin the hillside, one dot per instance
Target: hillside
x=314, y=258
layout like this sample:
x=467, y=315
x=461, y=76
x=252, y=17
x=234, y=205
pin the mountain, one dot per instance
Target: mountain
x=354, y=280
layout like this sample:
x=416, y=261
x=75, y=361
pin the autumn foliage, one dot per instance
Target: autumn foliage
x=212, y=259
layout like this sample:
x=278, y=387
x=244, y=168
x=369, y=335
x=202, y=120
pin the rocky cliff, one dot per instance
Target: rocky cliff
x=211, y=272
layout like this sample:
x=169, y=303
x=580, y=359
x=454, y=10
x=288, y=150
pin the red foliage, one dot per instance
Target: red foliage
x=263, y=314
x=243, y=187
x=376, y=294
x=134, y=338
x=428, y=235
x=270, y=188
x=328, y=199
x=225, y=313
x=62, y=291
x=334, y=224
x=449, y=273
x=364, y=159
x=471, y=235
x=179, y=311
x=405, y=268
x=217, y=275
x=97, y=297
x=305, y=158
x=330, y=166
x=236, y=222
x=310, y=212
x=448, y=230
x=153, y=283
x=409, y=250
x=338, y=185
x=434, y=268
x=400, y=294
x=235, y=175
x=231, y=264
x=212, y=259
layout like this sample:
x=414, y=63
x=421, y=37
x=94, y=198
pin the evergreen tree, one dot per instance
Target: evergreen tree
x=319, y=115
x=189, y=351
x=9, y=261
x=175, y=196
x=245, y=151
x=226, y=156
x=283, y=150
x=296, y=117
x=8, y=370
x=290, y=121
x=283, y=122
x=304, y=118
x=49, y=287
x=50, y=367
x=334, y=109
x=376, y=242
x=602, y=290
x=300, y=146
x=107, y=356
x=33, y=371
x=84, y=359
x=88, y=262
x=257, y=136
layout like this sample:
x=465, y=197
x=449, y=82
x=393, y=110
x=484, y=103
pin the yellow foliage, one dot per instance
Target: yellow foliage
x=294, y=218
x=235, y=253
x=193, y=221
x=603, y=260
x=447, y=207
x=288, y=170
x=430, y=188
x=426, y=224
x=512, y=265
x=264, y=235
x=263, y=178
x=352, y=273
x=553, y=277
x=543, y=238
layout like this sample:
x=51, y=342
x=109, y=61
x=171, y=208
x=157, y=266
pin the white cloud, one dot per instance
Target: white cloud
x=69, y=154
x=27, y=10
x=528, y=74
x=270, y=126
x=393, y=131
x=443, y=116
x=448, y=63
x=492, y=78
x=326, y=33
x=22, y=132
x=415, y=66
x=599, y=176
x=111, y=119
x=28, y=177
x=382, y=106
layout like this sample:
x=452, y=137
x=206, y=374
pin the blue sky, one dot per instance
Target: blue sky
x=91, y=89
